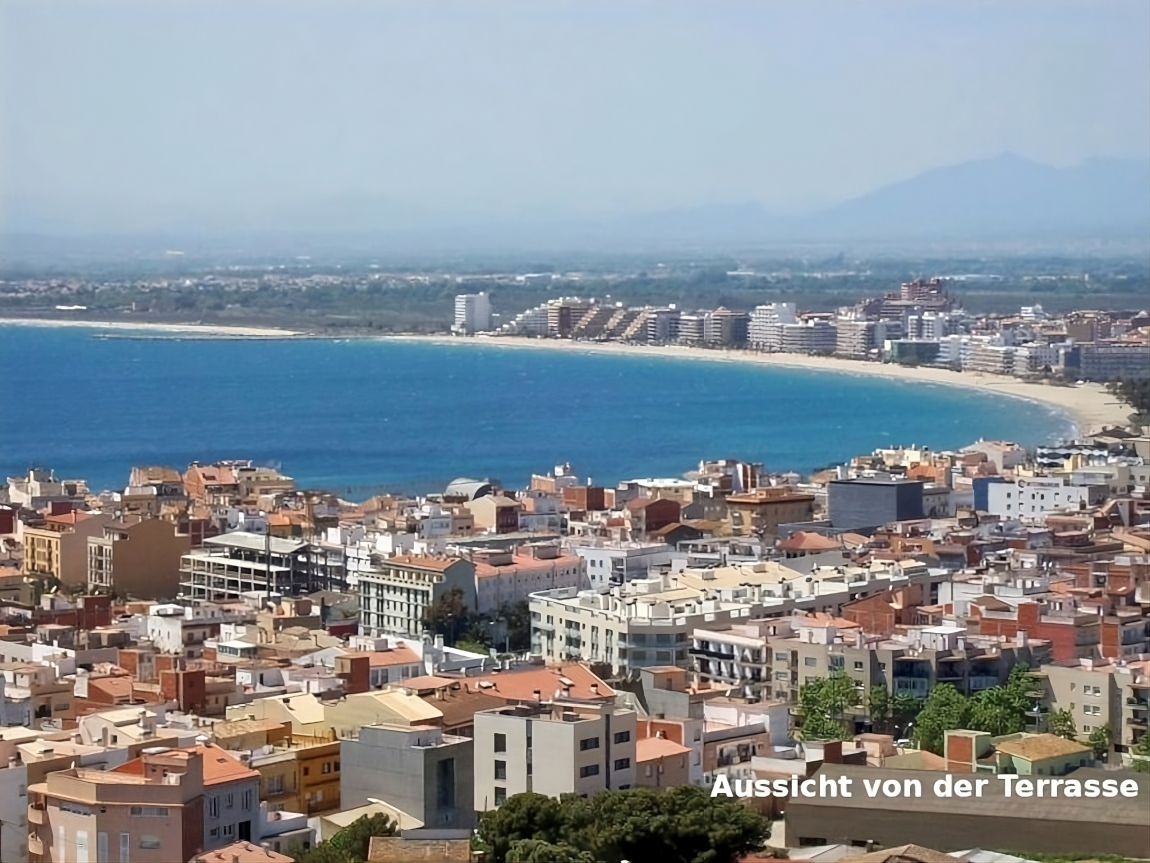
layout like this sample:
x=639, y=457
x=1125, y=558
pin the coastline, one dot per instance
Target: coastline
x=203, y=330
x=1088, y=406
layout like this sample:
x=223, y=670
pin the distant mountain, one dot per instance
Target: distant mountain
x=1006, y=197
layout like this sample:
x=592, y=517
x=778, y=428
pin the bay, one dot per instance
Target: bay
x=360, y=417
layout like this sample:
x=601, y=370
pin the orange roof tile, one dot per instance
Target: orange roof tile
x=653, y=748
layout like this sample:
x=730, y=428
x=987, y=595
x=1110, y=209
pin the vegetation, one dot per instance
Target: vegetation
x=1061, y=723
x=679, y=825
x=1134, y=392
x=823, y=703
x=1141, y=753
x=351, y=844
x=997, y=711
x=1099, y=740
x=449, y=616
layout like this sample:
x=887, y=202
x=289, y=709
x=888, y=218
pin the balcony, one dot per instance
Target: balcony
x=35, y=846
x=1138, y=703
x=37, y=813
x=979, y=683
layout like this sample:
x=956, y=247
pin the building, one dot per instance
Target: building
x=1059, y=825
x=472, y=314
x=140, y=559
x=580, y=747
x=504, y=578
x=153, y=813
x=760, y=511
x=236, y=563
x=614, y=563
x=495, y=513
x=1104, y=361
x=396, y=592
x=420, y=770
x=853, y=504
x=59, y=549
x=1032, y=497
x=40, y=489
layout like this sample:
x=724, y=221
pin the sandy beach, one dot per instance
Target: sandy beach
x=204, y=330
x=1089, y=406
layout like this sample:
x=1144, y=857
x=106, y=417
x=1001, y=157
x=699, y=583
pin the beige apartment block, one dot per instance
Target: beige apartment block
x=59, y=549
x=140, y=559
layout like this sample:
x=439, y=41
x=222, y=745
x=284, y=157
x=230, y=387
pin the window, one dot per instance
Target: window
x=275, y=785
x=306, y=771
x=622, y=763
x=780, y=657
x=858, y=665
x=500, y=742
x=500, y=795
x=229, y=830
x=214, y=807
x=589, y=770
x=588, y=743
x=337, y=766
x=326, y=767
x=147, y=841
x=247, y=799
x=500, y=769
x=149, y=811
x=214, y=832
x=622, y=736
x=229, y=801
x=810, y=661
x=125, y=847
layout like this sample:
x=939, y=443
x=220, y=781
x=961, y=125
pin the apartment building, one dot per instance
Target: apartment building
x=508, y=577
x=580, y=747
x=153, y=813
x=1101, y=693
x=139, y=559
x=1104, y=361
x=237, y=563
x=421, y=770
x=59, y=549
x=614, y=563
x=1033, y=497
x=40, y=489
x=761, y=335
x=394, y=594
x=760, y=511
x=912, y=665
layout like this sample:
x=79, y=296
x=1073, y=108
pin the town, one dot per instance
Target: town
x=216, y=664
x=920, y=324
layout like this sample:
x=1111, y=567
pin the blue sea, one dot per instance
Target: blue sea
x=363, y=417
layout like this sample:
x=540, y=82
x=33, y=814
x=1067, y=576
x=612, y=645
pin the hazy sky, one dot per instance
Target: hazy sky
x=495, y=105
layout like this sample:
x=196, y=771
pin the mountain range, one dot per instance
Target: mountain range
x=1007, y=197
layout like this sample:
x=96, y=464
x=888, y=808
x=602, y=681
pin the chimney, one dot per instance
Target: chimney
x=594, y=688
x=538, y=694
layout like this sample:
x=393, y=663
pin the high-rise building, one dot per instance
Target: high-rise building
x=472, y=313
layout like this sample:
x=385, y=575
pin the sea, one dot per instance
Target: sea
x=364, y=417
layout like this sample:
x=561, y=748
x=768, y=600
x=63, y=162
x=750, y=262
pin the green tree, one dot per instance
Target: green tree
x=879, y=707
x=321, y=853
x=1061, y=723
x=945, y=709
x=351, y=844
x=679, y=825
x=1002, y=709
x=1099, y=740
x=1134, y=392
x=447, y=616
x=904, y=708
x=1141, y=752
x=823, y=703
x=538, y=851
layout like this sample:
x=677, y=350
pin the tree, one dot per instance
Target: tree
x=447, y=616
x=1061, y=723
x=1002, y=709
x=538, y=851
x=351, y=844
x=945, y=709
x=679, y=825
x=1134, y=392
x=1141, y=752
x=822, y=703
x=879, y=706
x=1099, y=740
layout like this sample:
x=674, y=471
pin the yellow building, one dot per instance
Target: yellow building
x=59, y=549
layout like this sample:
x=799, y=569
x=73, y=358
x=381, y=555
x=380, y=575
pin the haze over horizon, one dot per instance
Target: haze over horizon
x=133, y=115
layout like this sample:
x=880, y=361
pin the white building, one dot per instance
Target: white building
x=472, y=313
x=608, y=563
x=579, y=747
x=1034, y=497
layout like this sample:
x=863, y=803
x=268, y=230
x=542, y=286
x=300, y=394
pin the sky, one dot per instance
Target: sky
x=126, y=112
